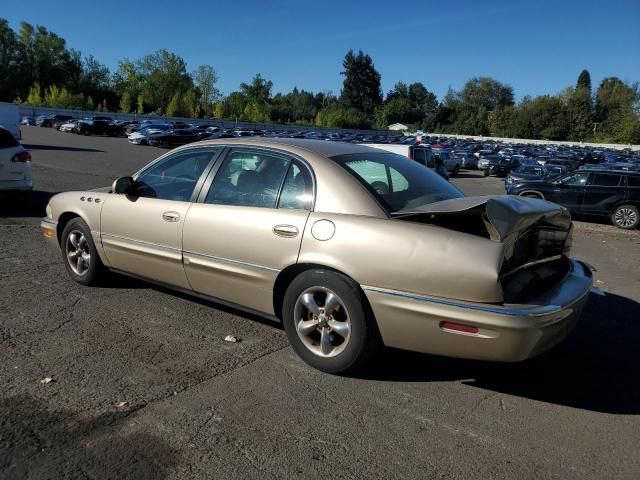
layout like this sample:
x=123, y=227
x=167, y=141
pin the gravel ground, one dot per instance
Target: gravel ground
x=144, y=386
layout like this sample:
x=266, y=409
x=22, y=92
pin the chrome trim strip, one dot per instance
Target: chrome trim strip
x=49, y=221
x=525, y=311
x=234, y=262
x=140, y=242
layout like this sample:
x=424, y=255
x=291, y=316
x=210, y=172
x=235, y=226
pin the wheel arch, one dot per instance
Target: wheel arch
x=63, y=220
x=286, y=276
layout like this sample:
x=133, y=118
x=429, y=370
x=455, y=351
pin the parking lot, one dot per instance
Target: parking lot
x=144, y=385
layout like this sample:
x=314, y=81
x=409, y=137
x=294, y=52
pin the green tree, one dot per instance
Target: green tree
x=205, y=78
x=259, y=90
x=125, y=102
x=544, y=117
x=580, y=111
x=219, y=110
x=140, y=109
x=162, y=75
x=584, y=81
x=617, y=110
x=35, y=95
x=256, y=112
x=10, y=63
x=361, y=87
x=89, y=105
x=341, y=117
x=174, y=108
x=235, y=104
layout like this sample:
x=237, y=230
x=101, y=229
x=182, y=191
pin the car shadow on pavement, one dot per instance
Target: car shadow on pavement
x=24, y=204
x=593, y=369
x=40, y=443
x=120, y=280
x=61, y=148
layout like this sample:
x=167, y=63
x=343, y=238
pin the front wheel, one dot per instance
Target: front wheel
x=79, y=253
x=328, y=322
x=625, y=217
x=455, y=171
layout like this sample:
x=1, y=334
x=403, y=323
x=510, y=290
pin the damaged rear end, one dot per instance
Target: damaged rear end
x=536, y=236
x=540, y=290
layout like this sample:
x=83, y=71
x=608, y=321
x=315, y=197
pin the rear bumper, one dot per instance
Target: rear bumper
x=506, y=333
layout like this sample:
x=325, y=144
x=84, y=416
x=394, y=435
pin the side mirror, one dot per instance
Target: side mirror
x=123, y=186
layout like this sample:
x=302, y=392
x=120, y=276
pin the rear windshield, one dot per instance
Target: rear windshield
x=397, y=182
x=6, y=139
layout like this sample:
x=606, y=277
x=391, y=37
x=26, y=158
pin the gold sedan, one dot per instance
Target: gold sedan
x=351, y=247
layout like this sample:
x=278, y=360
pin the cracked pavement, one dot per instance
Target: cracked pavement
x=200, y=407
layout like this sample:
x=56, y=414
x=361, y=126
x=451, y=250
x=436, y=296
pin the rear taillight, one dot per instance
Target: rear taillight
x=21, y=157
x=459, y=327
x=410, y=154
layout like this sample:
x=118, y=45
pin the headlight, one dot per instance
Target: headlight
x=48, y=211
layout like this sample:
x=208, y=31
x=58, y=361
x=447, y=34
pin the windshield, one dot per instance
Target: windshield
x=397, y=182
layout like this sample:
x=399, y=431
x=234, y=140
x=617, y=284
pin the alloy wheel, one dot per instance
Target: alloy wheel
x=322, y=322
x=78, y=253
x=625, y=217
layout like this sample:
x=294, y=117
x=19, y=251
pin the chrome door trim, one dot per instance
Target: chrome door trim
x=171, y=252
x=231, y=261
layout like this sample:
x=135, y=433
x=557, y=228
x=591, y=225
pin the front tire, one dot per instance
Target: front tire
x=626, y=217
x=328, y=322
x=79, y=253
x=455, y=171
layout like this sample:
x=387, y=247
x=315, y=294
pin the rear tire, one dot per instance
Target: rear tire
x=626, y=217
x=328, y=322
x=79, y=253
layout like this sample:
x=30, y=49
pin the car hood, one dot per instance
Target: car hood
x=503, y=215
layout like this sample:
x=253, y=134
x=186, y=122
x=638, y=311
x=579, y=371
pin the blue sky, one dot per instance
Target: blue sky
x=537, y=47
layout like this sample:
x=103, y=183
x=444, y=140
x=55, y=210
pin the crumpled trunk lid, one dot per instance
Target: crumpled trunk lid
x=536, y=234
x=502, y=215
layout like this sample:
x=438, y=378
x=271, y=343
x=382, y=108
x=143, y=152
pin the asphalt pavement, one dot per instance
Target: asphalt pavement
x=143, y=385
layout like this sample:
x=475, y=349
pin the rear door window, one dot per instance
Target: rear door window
x=633, y=180
x=249, y=178
x=604, y=180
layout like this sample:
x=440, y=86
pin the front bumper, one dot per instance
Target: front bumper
x=506, y=333
x=49, y=231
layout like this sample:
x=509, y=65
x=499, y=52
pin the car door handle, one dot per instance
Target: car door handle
x=171, y=216
x=288, y=231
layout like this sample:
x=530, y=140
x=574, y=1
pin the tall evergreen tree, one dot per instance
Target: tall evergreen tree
x=584, y=81
x=361, y=88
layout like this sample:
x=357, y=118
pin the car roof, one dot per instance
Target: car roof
x=321, y=147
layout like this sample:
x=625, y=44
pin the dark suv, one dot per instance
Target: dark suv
x=613, y=193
